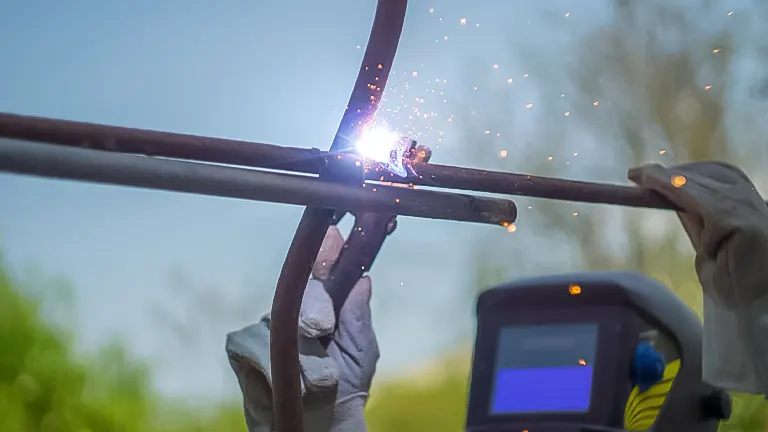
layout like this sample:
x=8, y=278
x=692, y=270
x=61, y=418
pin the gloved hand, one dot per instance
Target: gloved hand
x=336, y=381
x=727, y=222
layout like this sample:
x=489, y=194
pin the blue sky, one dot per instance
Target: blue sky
x=277, y=72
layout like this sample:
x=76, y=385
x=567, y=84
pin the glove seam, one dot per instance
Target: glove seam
x=353, y=396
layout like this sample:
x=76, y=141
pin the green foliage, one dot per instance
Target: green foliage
x=431, y=399
x=749, y=414
x=47, y=386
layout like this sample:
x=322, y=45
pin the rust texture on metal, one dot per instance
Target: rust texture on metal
x=162, y=144
x=97, y=166
x=451, y=177
x=363, y=103
x=286, y=376
x=313, y=161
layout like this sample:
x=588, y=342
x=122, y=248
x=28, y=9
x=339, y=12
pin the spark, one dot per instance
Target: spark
x=567, y=14
x=496, y=66
x=463, y=21
x=595, y=103
x=662, y=152
x=503, y=154
x=679, y=181
x=550, y=158
x=509, y=81
x=567, y=113
x=716, y=50
x=528, y=106
x=525, y=75
x=431, y=10
x=708, y=87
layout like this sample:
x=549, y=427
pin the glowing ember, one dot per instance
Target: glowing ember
x=678, y=181
x=386, y=147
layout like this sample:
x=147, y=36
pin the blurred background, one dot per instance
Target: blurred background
x=114, y=302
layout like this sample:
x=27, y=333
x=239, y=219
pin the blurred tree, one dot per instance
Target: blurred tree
x=46, y=386
x=656, y=82
x=663, y=72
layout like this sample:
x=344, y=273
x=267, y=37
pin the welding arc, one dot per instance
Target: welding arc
x=103, y=167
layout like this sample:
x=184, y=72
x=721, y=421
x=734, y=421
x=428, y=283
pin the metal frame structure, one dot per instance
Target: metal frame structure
x=330, y=184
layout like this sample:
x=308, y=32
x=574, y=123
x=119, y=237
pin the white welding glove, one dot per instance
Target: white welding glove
x=336, y=382
x=727, y=222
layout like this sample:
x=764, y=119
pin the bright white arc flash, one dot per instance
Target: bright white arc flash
x=384, y=146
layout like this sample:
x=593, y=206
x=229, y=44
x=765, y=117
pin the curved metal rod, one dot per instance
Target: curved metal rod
x=362, y=106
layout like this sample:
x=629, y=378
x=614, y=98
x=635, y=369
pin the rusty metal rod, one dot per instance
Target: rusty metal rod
x=361, y=108
x=313, y=161
x=286, y=304
x=164, y=144
x=452, y=177
x=96, y=166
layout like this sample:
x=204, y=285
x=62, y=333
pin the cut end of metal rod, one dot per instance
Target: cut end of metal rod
x=498, y=211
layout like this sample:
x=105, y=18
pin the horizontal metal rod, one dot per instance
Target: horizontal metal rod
x=45, y=160
x=313, y=161
x=165, y=144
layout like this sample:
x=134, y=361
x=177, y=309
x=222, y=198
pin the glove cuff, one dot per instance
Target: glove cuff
x=349, y=414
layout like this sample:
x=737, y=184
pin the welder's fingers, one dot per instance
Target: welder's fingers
x=356, y=311
x=717, y=198
x=329, y=253
x=248, y=352
x=355, y=333
x=670, y=185
x=257, y=394
x=318, y=369
x=667, y=182
x=711, y=189
x=316, y=317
